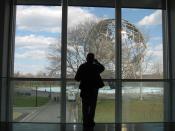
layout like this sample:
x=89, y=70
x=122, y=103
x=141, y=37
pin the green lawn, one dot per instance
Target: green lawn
x=133, y=111
x=150, y=110
x=29, y=101
x=105, y=111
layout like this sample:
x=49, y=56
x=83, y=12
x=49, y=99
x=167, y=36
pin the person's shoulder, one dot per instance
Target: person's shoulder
x=82, y=65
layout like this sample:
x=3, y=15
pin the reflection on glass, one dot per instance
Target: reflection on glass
x=38, y=41
x=98, y=127
x=91, y=30
x=73, y=103
x=142, y=48
x=143, y=127
x=19, y=126
x=36, y=101
x=142, y=102
x=105, y=110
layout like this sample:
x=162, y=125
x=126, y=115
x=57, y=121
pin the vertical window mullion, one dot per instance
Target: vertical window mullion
x=10, y=61
x=166, y=69
x=118, y=94
x=63, y=60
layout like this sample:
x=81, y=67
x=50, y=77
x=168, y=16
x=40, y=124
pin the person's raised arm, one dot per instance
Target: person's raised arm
x=101, y=68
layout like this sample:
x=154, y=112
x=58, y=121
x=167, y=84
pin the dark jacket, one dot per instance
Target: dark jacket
x=89, y=75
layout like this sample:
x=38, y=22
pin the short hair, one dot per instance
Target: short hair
x=90, y=57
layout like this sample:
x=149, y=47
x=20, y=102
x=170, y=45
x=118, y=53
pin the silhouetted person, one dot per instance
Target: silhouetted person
x=90, y=81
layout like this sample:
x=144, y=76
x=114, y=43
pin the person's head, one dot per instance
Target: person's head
x=90, y=57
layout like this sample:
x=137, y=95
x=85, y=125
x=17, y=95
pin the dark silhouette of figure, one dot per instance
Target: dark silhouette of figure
x=90, y=81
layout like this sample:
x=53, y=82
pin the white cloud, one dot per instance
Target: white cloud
x=40, y=18
x=33, y=41
x=77, y=15
x=156, y=51
x=152, y=19
x=33, y=48
x=32, y=54
x=29, y=68
x=153, y=56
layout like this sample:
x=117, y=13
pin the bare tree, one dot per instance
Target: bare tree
x=157, y=69
x=54, y=57
x=77, y=45
x=98, y=37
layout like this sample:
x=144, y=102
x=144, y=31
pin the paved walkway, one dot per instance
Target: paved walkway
x=50, y=113
x=47, y=113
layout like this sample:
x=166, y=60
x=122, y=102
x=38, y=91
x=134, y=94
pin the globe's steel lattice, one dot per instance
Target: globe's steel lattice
x=102, y=42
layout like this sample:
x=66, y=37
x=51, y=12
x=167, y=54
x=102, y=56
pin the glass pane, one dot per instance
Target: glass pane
x=91, y=30
x=73, y=103
x=98, y=127
x=143, y=101
x=36, y=101
x=142, y=45
x=38, y=41
x=36, y=127
x=143, y=127
x=105, y=109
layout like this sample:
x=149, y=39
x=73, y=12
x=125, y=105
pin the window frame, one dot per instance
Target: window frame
x=118, y=91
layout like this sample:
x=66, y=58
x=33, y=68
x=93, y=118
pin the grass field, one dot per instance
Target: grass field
x=132, y=111
x=150, y=110
x=105, y=111
x=29, y=101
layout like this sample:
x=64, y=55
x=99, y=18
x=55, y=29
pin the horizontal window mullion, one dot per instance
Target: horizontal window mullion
x=34, y=79
x=146, y=4
x=71, y=79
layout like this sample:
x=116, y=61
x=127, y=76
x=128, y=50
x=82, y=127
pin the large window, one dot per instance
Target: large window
x=142, y=58
x=91, y=30
x=38, y=41
x=142, y=44
x=37, y=55
x=105, y=110
x=36, y=101
x=142, y=102
x=42, y=94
